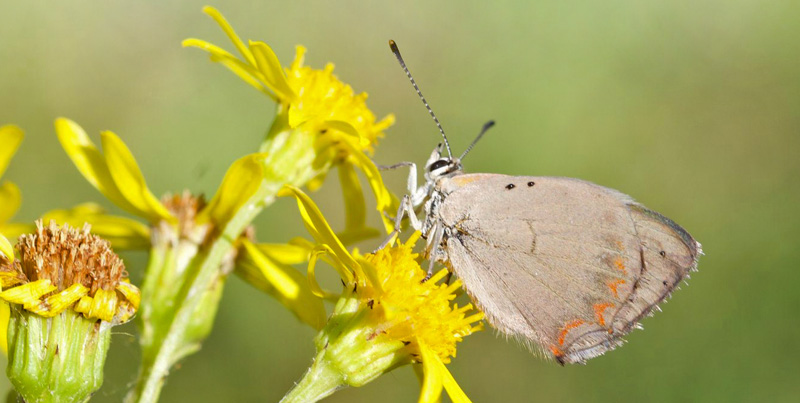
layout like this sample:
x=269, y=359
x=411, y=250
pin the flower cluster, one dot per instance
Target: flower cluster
x=387, y=316
x=313, y=106
x=62, y=287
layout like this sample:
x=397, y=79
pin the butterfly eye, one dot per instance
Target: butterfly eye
x=438, y=164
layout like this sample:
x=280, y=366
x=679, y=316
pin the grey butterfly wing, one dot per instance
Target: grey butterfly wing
x=566, y=264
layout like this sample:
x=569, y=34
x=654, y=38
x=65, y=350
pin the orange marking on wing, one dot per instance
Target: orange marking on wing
x=556, y=352
x=598, y=312
x=564, y=330
x=613, y=286
x=620, y=264
x=464, y=179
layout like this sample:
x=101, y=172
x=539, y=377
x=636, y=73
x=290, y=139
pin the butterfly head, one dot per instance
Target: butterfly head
x=440, y=167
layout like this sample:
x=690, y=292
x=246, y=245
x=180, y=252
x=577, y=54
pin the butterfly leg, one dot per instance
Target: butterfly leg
x=418, y=194
x=434, y=249
x=406, y=207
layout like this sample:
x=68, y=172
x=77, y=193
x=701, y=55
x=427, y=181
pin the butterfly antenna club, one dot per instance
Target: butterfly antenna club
x=486, y=126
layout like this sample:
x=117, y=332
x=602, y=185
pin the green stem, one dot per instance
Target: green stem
x=169, y=341
x=181, y=320
x=321, y=381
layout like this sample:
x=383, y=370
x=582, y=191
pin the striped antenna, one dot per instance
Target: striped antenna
x=488, y=125
x=396, y=52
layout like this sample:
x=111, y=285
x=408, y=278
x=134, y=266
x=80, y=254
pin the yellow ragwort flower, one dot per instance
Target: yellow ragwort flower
x=309, y=96
x=116, y=174
x=63, y=268
x=312, y=102
x=386, y=317
x=67, y=289
x=413, y=310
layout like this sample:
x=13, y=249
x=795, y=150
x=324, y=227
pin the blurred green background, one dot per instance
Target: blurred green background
x=691, y=107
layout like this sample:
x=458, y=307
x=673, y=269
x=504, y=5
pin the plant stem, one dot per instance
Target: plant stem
x=181, y=292
x=320, y=381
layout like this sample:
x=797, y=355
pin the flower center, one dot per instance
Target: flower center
x=414, y=311
x=67, y=256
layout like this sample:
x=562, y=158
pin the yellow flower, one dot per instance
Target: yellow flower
x=63, y=268
x=386, y=317
x=67, y=290
x=194, y=245
x=312, y=102
x=122, y=232
x=10, y=138
x=116, y=174
x=310, y=96
x=269, y=268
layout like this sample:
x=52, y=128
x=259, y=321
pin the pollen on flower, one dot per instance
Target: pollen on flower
x=414, y=311
x=63, y=267
x=322, y=97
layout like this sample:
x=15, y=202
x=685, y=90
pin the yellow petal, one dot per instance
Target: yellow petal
x=355, y=210
x=270, y=67
x=354, y=207
x=28, y=294
x=344, y=273
x=123, y=233
x=6, y=248
x=299, y=57
x=246, y=72
x=240, y=183
x=318, y=226
x=84, y=305
x=383, y=198
x=129, y=179
x=104, y=305
x=57, y=303
x=10, y=279
x=361, y=140
x=209, y=47
x=10, y=199
x=130, y=292
x=294, y=252
x=284, y=283
x=450, y=385
x=420, y=373
x=91, y=163
x=10, y=138
x=370, y=272
x=432, y=384
x=223, y=23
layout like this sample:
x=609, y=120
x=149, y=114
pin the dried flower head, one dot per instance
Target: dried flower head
x=63, y=267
